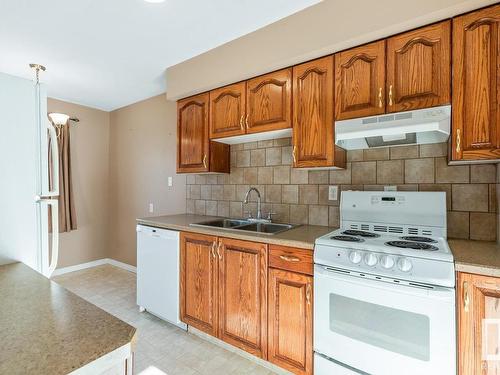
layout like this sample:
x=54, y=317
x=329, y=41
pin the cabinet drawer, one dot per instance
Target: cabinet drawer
x=291, y=259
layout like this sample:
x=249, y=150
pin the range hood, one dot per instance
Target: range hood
x=430, y=125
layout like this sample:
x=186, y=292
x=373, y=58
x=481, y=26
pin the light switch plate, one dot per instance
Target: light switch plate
x=333, y=192
x=169, y=181
x=151, y=208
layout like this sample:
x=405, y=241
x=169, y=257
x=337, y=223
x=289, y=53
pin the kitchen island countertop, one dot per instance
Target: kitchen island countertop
x=46, y=329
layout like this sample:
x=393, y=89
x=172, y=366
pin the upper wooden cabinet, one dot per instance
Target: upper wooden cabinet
x=476, y=85
x=418, y=68
x=360, y=81
x=313, y=128
x=198, y=282
x=269, y=102
x=405, y=72
x=195, y=153
x=227, y=111
x=478, y=298
x=243, y=295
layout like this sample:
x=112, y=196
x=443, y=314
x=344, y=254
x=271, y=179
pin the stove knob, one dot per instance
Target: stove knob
x=404, y=265
x=371, y=259
x=387, y=261
x=355, y=257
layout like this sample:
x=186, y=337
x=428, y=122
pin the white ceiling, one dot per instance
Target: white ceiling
x=110, y=53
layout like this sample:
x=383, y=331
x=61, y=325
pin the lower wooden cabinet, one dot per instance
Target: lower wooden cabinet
x=223, y=289
x=478, y=299
x=290, y=321
x=198, y=282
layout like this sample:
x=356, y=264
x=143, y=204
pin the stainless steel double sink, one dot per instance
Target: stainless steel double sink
x=245, y=225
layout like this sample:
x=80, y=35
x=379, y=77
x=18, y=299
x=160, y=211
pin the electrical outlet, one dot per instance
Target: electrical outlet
x=333, y=192
x=390, y=188
x=170, y=182
x=151, y=208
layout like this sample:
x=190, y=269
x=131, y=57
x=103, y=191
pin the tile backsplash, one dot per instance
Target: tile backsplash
x=301, y=196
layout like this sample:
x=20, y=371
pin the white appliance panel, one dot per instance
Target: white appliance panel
x=382, y=328
x=158, y=261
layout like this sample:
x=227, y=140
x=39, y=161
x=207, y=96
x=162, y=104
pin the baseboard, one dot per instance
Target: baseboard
x=122, y=265
x=95, y=263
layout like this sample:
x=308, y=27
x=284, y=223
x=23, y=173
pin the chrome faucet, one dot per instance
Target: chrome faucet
x=245, y=201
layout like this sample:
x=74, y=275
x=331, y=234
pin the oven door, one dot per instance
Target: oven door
x=381, y=327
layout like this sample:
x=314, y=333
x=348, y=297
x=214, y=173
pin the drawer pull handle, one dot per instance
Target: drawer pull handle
x=213, y=249
x=241, y=122
x=246, y=121
x=308, y=294
x=466, y=296
x=458, y=142
x=290, y=258
x=218, y=251
x=390, y=95
x=294, y=155
x=380, y=97
x=205, y=161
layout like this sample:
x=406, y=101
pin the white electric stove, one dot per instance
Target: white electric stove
x=384, y=287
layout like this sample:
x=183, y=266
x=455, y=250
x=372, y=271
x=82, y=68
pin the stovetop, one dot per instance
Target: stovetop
x=419, y=259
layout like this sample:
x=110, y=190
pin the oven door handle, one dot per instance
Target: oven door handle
x=435, y=292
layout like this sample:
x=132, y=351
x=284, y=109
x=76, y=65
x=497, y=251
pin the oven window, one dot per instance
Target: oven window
x=391, y=329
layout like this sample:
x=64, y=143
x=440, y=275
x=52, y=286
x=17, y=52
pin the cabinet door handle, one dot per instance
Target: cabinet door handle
x=246, y=121
x=218, y=251
x=290, y=258
x=380, y=97
x=457, y=149
x=466, y=296
x=205, y=161
x=390, y=95
x=241, y=123
x=213, y=249
x=308, y=294
x=294, y=156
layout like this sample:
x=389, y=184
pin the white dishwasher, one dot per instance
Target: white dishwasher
x=158, y=255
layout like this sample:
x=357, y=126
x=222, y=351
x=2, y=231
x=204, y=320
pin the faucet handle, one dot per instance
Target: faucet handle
x=270, y=215
x=249, y=214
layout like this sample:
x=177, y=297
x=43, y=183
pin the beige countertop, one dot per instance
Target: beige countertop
x=45, y=329
x=302, y=236
x=480, y=257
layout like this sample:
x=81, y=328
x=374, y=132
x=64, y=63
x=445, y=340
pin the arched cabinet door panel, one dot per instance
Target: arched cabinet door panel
x=418, y=68
x=360, y=81
x=227, y=111
x=476, y=85
x=269, y=102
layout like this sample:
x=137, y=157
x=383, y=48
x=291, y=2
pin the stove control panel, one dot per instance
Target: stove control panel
x=389, y=265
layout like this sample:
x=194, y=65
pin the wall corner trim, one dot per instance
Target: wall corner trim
x=95, y=263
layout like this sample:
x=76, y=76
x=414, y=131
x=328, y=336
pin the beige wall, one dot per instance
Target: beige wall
x=89, y=153
x=329, y=26
x=142, y=156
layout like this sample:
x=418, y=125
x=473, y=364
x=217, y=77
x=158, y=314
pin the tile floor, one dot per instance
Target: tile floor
x=162, y=348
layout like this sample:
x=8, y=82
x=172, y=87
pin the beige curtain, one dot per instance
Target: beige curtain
x=67, y=215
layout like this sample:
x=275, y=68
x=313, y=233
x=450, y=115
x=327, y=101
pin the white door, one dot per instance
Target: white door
x=383, y=328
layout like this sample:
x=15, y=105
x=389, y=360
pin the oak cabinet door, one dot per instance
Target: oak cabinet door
x=418, y=68
x=291, y=321
x=360, y=81
x=476, y=85
x=198, y=284
x=227, y=111
x=269, y=102
x=243, y=295
x=192, y=134
x=478, y=300
x=313, y=128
